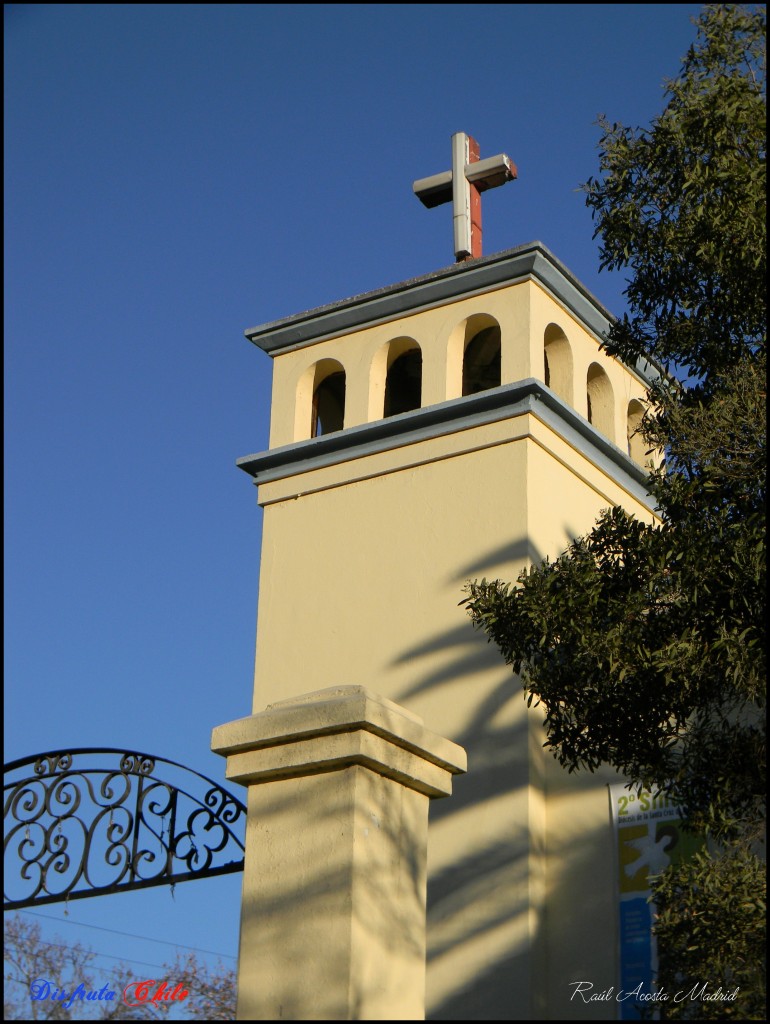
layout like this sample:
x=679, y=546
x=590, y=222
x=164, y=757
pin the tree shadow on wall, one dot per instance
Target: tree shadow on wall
x=490, y=934
x=479, y=918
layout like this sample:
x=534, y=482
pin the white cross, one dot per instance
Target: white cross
x=463, y=185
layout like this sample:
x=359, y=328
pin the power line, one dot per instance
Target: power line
x=108, y=956
x=143, y=938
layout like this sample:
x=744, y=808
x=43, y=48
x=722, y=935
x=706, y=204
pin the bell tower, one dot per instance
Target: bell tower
x=462, y=424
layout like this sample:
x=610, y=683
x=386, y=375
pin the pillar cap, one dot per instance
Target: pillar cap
x=335, y=728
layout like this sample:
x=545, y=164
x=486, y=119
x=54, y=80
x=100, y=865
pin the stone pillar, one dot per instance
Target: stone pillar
x=333, y=906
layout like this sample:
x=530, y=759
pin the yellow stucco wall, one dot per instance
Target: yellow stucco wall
x=362, y=569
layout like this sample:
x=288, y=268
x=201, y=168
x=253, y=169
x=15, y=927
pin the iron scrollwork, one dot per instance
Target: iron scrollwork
x=84, y=822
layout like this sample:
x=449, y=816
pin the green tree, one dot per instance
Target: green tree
x=644, y=644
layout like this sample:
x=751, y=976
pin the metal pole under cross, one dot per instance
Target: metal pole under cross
x=463, y=185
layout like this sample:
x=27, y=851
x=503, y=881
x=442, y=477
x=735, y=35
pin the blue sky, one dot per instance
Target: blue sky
x=175, y=175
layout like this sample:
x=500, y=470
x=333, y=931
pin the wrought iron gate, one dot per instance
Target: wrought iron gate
x=85, y=822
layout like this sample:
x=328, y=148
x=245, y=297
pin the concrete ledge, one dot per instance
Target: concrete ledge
x=458, y=414
x=532, y=261
x=336, y=751
x=335, y=710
